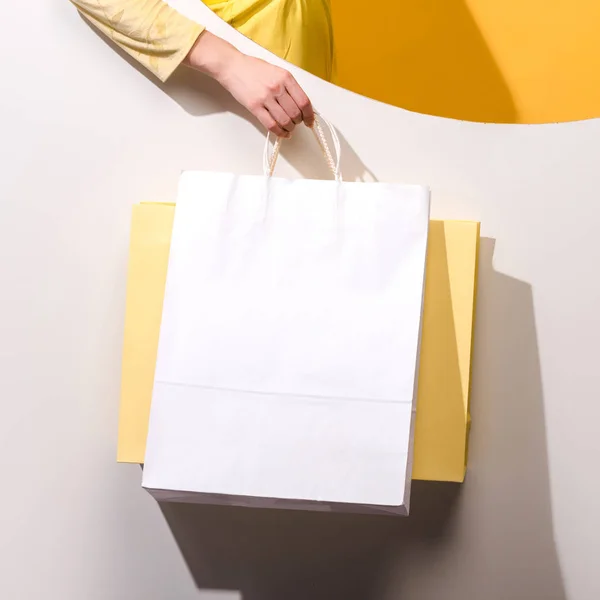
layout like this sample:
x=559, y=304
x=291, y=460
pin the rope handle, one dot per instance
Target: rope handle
x=332, y=160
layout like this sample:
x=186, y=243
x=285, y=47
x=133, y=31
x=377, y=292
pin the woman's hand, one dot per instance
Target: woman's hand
x=271, y=94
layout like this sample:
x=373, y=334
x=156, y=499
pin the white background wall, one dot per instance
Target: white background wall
x=84, y=135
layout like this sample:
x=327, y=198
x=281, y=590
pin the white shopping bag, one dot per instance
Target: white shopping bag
x=289, y=345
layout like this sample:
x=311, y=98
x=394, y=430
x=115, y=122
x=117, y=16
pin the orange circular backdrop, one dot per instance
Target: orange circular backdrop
x=501, y=61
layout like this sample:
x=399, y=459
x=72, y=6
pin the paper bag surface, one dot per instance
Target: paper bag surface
x=289, y=346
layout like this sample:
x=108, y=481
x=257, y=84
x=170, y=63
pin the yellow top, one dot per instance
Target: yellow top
x=160, y=38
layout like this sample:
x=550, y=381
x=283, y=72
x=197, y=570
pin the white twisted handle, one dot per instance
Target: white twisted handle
x=270, y=158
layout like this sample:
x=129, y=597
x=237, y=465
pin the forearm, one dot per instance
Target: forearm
x=213, y=56
x=161, y=39
x=156, y=35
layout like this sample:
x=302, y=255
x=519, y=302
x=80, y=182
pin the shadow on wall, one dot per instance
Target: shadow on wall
x=425, y=56
x=490, y=538
x=270, y=555
x=500, y=542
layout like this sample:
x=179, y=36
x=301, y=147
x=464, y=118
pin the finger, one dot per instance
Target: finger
x=291, y=108
x=269, y=123
x=281, y=117
x=301, y=100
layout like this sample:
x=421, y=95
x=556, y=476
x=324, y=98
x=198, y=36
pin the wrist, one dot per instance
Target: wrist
x=213, y=56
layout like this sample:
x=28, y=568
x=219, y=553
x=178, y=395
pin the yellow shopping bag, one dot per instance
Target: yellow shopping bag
x=442, y=423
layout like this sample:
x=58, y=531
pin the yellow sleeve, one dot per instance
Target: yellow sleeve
x=151, y=31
